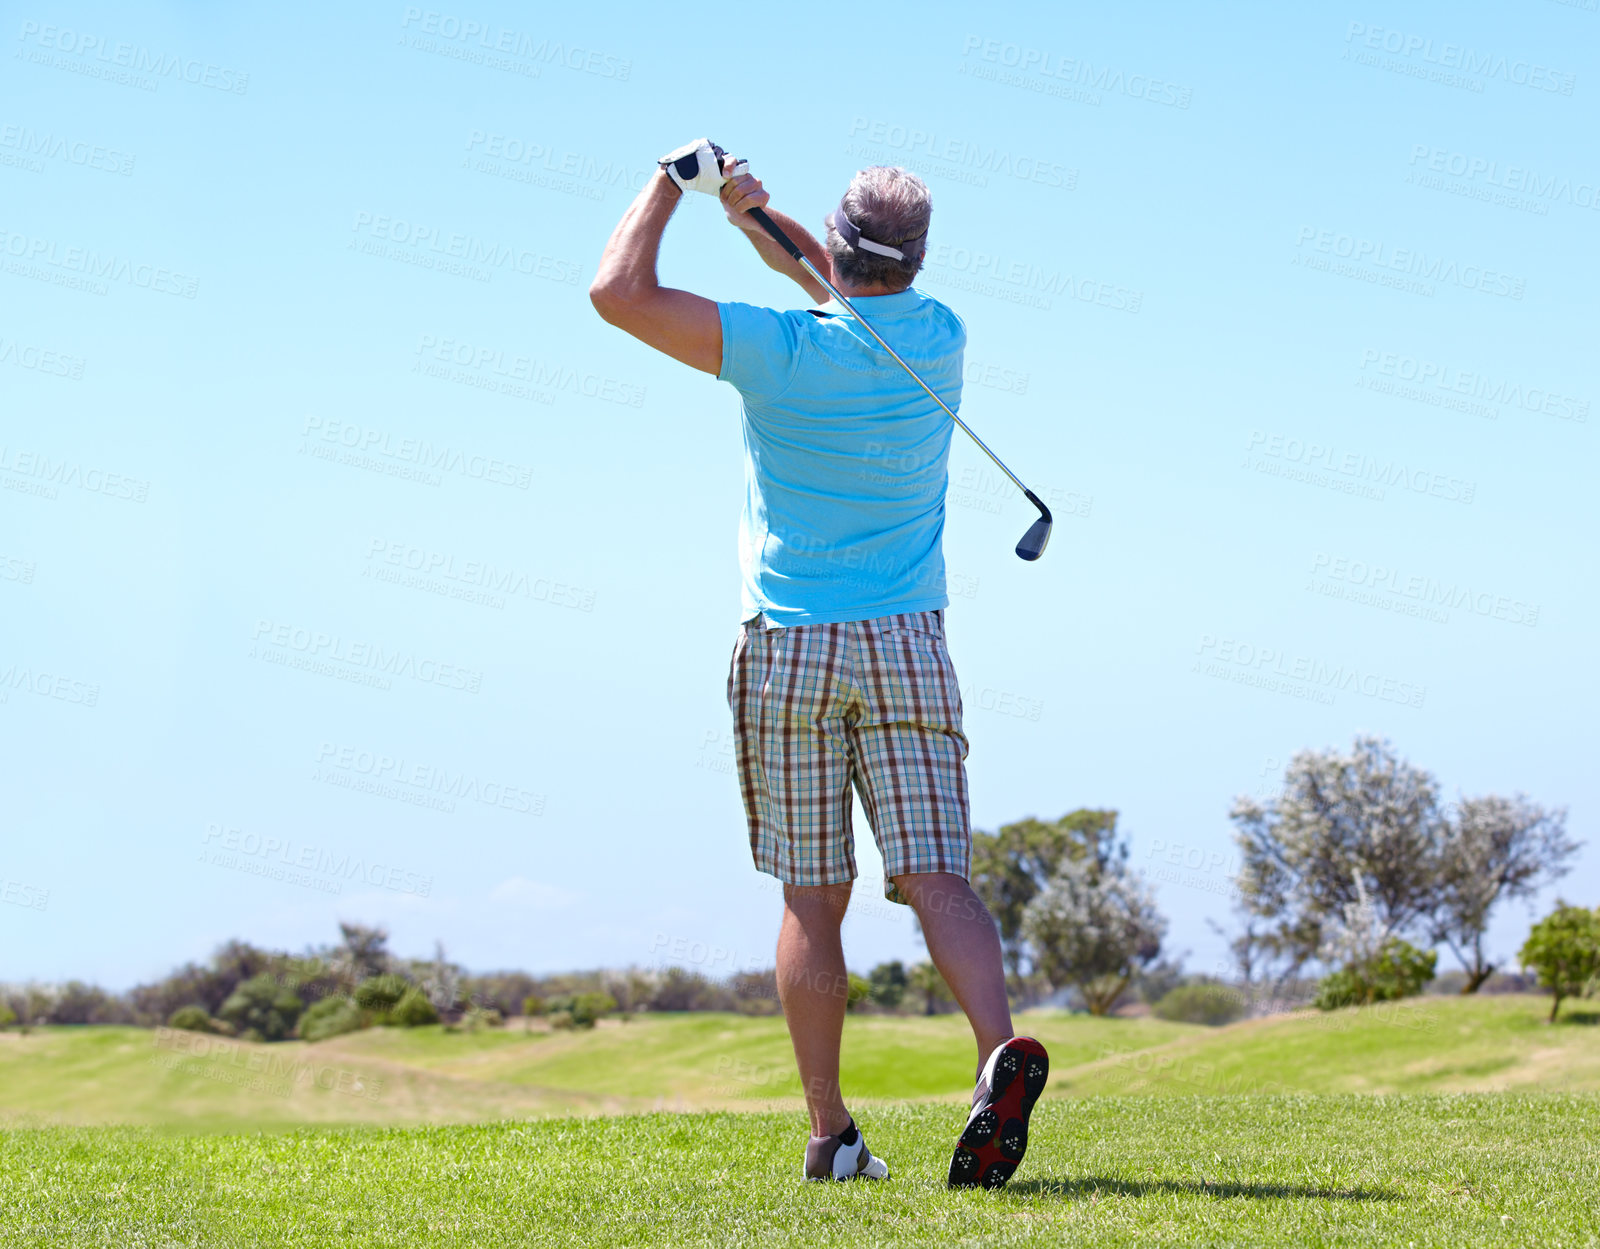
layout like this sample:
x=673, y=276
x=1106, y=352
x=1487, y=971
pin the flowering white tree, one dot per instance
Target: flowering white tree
x=1364, y=829
x=1361, y=829
x=1094, y=926
x=1497, y=848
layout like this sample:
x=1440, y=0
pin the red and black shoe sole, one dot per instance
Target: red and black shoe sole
x=997, y=1136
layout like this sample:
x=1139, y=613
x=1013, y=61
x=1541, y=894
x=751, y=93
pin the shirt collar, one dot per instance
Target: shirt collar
x=876, y=305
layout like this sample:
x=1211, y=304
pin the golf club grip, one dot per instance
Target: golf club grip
x=778, y=236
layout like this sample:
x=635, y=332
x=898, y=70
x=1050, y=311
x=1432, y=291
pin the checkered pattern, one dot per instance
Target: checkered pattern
x=873, y=703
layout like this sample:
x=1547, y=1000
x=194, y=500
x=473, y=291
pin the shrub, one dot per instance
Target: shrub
x=413, y=1010
x=1206, y=1002
x=587, y=1008
x=482, y=1017
x=1399, y=970
x=581, y=1009
x=331, y=1017
x=380, y=994
x=532, y=1005
x=7, y=1016
x=888, y=982
x=1338, y=990
x=1563, y=950
x=262, y=1009
x=190, y=1019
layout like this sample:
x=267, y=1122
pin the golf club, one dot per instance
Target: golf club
x=1033, y=542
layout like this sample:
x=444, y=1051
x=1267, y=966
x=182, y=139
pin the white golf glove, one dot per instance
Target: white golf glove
x=697, y=166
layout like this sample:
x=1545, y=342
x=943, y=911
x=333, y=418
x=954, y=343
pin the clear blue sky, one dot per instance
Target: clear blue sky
x=1291, y=309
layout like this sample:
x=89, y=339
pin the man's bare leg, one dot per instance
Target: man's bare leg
x=964, y=945
x=813, y=987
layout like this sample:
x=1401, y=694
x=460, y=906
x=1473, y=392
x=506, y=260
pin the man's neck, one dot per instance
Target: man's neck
x=862, y=292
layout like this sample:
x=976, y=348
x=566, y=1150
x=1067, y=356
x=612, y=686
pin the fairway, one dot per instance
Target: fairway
x=708, y=1061
x=1503, y=1169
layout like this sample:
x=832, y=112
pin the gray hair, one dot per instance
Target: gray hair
x=889, y=205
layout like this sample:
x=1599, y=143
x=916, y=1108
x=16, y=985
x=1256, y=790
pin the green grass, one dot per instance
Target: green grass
x=730, y=1062
x=1456, y=1170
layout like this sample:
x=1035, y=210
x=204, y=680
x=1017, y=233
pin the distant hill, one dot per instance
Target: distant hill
x=715, y=1061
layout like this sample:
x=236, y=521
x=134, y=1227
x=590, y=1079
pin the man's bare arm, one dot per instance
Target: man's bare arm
x=626, y=292
x=739, y=196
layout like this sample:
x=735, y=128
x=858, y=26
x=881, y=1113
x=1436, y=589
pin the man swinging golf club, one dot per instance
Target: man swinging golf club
x=840, y=676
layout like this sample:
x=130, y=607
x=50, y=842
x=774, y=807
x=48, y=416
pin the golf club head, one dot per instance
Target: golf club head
x=1033, y=542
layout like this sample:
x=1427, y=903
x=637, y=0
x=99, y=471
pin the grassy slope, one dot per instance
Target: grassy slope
x=698, y=1061
x=1428, y=1170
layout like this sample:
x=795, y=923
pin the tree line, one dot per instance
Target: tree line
x=1354, y=868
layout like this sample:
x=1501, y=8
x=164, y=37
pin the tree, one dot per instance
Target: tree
x=1563, y=950
x=414, y=1010
x=381, y=994
x=441, y=983
x=1346, y=826
x=79, y=1003
x=1497, y=848
x=1011, y=867
x=924, y=979
x=1094, y=926
x=262, y=1009
x=888, y=981
x=362, y=954
x=330, y=1017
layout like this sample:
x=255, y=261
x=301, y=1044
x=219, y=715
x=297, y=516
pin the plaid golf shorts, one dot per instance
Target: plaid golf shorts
x=872, y=704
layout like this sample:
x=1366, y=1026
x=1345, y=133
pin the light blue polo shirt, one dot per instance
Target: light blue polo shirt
x=846, y=457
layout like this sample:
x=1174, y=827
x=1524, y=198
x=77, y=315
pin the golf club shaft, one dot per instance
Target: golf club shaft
x=788, y=245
